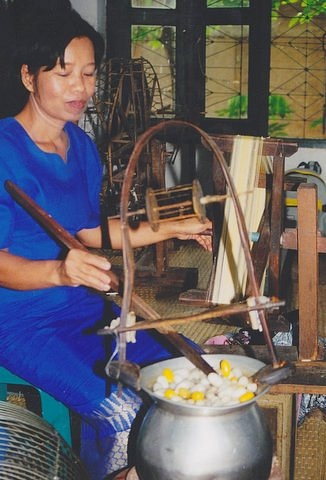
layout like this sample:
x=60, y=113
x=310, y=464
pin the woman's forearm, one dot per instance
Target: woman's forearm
x=22, y=274
x=78, y=268
x=143, y=235
x=189, y=229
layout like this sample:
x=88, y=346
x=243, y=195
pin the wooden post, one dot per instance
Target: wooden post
x=276, y=225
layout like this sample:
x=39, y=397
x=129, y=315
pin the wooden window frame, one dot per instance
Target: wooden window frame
x=190, y=19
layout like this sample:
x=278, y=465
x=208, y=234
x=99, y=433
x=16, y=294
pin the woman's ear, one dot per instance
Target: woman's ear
x=27, y=78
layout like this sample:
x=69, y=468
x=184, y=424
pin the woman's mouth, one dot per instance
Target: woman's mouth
x=77, y=105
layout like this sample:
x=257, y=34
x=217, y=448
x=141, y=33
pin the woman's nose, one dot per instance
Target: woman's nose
x=78, y=83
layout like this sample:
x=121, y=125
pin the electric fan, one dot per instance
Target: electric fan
x=31, y=449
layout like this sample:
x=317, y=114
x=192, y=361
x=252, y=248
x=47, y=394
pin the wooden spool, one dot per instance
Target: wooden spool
x=176, y=203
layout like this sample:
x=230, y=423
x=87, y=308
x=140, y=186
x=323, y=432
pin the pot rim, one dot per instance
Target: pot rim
x=248, y=365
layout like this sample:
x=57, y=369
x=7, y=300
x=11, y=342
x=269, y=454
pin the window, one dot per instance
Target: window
x=230, y=66
x=227, y=71
x=297, y=72
x=157, y=45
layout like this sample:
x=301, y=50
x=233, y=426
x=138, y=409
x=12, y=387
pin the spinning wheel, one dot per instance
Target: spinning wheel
x=127, y=96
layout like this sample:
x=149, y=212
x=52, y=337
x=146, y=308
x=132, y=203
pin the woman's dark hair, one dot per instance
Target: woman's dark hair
x=40, y=32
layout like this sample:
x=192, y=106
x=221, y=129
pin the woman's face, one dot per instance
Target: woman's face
x=62, y=94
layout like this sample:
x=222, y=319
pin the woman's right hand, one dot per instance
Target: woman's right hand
x=84, y=268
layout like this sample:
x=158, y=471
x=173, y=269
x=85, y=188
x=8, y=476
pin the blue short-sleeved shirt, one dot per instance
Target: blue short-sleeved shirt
x=69, y=191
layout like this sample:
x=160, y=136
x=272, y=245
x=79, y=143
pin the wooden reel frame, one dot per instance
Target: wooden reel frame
x=128, y=260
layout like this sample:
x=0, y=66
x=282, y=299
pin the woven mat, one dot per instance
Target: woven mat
x=166, y=303
x=310, y=458
x=189, y=254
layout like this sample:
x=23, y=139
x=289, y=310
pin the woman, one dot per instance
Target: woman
x=49, y=312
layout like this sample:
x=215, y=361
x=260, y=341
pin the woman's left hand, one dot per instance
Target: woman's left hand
x=192, y=229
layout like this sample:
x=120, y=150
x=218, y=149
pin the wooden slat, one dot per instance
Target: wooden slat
x=289, y=240
x=259, y=352
x=308, y=275
x=272, y=146
x=310, y=377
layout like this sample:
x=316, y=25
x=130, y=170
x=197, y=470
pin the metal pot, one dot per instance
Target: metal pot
x=184, y=442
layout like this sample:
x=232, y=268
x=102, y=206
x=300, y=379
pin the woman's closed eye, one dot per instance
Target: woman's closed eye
x=65, y=73
x=90, y=74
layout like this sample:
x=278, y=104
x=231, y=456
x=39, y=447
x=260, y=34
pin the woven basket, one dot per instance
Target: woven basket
x=310, y=454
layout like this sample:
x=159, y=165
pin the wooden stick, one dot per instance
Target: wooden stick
x=217, y=312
